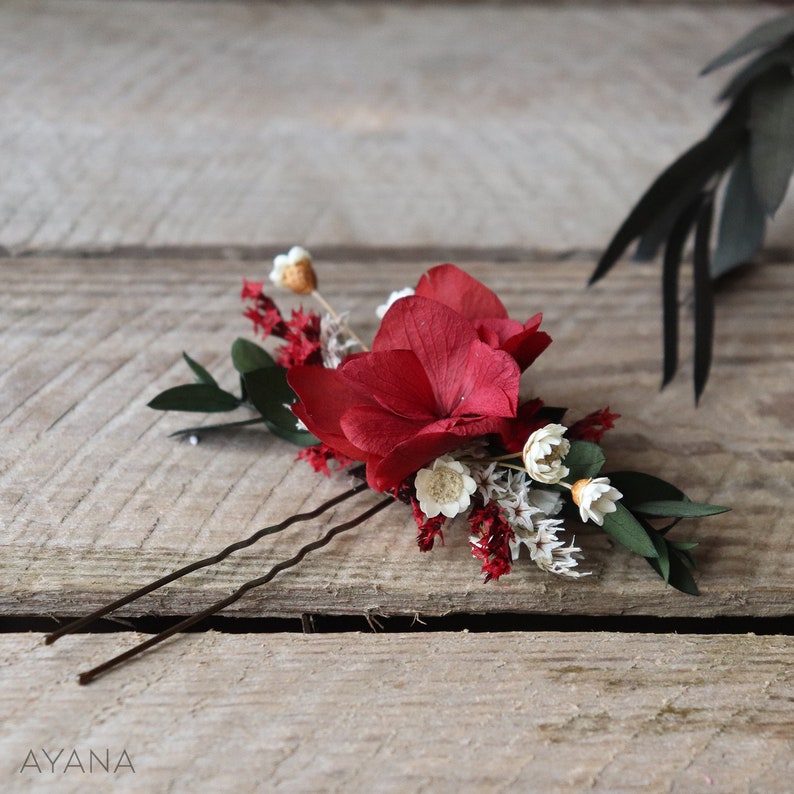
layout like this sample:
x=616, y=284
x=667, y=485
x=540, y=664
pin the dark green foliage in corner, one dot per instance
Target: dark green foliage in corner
x=747, y=158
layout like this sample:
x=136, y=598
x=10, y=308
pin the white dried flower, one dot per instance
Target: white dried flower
x=518, y=510
x=294, y=271
x=546, y=501
x=543, y=454
x=488, y=479
x=595, y=498
x=393, y=298
x=563, y=562
x=541, y=543
x=334, y=339
x=445, y=487
x=514, y=483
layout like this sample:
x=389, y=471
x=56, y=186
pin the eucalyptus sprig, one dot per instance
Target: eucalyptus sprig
x=263, y=389
x=751, y=150
x=645, y=499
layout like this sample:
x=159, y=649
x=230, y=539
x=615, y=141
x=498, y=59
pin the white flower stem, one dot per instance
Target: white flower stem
x=330, y=309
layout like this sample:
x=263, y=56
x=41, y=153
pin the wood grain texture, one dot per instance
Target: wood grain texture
x=528, y=125
x=95, y=499
x=407, y=713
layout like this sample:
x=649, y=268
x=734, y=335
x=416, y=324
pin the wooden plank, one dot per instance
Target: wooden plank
x=95, y=499
x=435, y=712
x=526, y=125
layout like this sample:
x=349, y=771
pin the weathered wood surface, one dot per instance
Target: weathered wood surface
x=395, y=124
x=96, y=499
x=405, y=713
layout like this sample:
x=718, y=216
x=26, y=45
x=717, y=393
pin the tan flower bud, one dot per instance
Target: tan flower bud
x=300, y=277
x=294, y=271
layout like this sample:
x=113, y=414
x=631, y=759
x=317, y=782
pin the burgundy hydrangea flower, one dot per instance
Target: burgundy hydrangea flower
x=455, y=288
x=429, y=385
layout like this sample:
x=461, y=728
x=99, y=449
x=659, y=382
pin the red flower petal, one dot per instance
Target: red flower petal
x=455, y=288
x=442, y=341
x=325, y=395
x=526, y=347
x=490, y=383
x=396, y=380
x=376, y=430
x=433, y=441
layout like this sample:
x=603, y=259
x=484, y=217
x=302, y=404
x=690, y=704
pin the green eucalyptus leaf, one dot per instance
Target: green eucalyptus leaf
x=742, y=220
x=680, y=575
x=684, y=554
x=673, y=254
x=202, y=376
x=678, y=184
x=302, y=438
x=584, y=459
x=247, y=356
x=772, y=137
x=764, y=35
x=704, y=297
x=629, y=532
x=661, y=228
x=683, y=545
x=662, y=562
x=271, y=395
x=637, y=487
x=662, y=508
x=781, y=55
x=199, y=397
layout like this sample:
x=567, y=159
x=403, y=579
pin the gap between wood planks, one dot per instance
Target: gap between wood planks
x=493, y=622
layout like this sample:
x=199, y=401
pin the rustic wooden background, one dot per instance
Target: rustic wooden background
x=154, y=153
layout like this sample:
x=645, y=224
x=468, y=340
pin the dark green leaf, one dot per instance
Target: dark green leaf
x=683, y=545
x=301, y=438
x=670, y=270
x=662, y=562
x=704, y=297
x=584, y=459
x=664, y=508
x=742, y=222
x=684, y=555
x=765, y=35
x=248, y=356
x=772, y=137
x=271, y=395
x=637, y=487
x=678, y=184
x=552, y=413
x=199, y=397
x=660, y=229
x=782, y=55
x=680, y=576
x=202, y=376
x=627, y=530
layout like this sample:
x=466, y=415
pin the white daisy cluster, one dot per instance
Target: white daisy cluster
x=529, y=511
